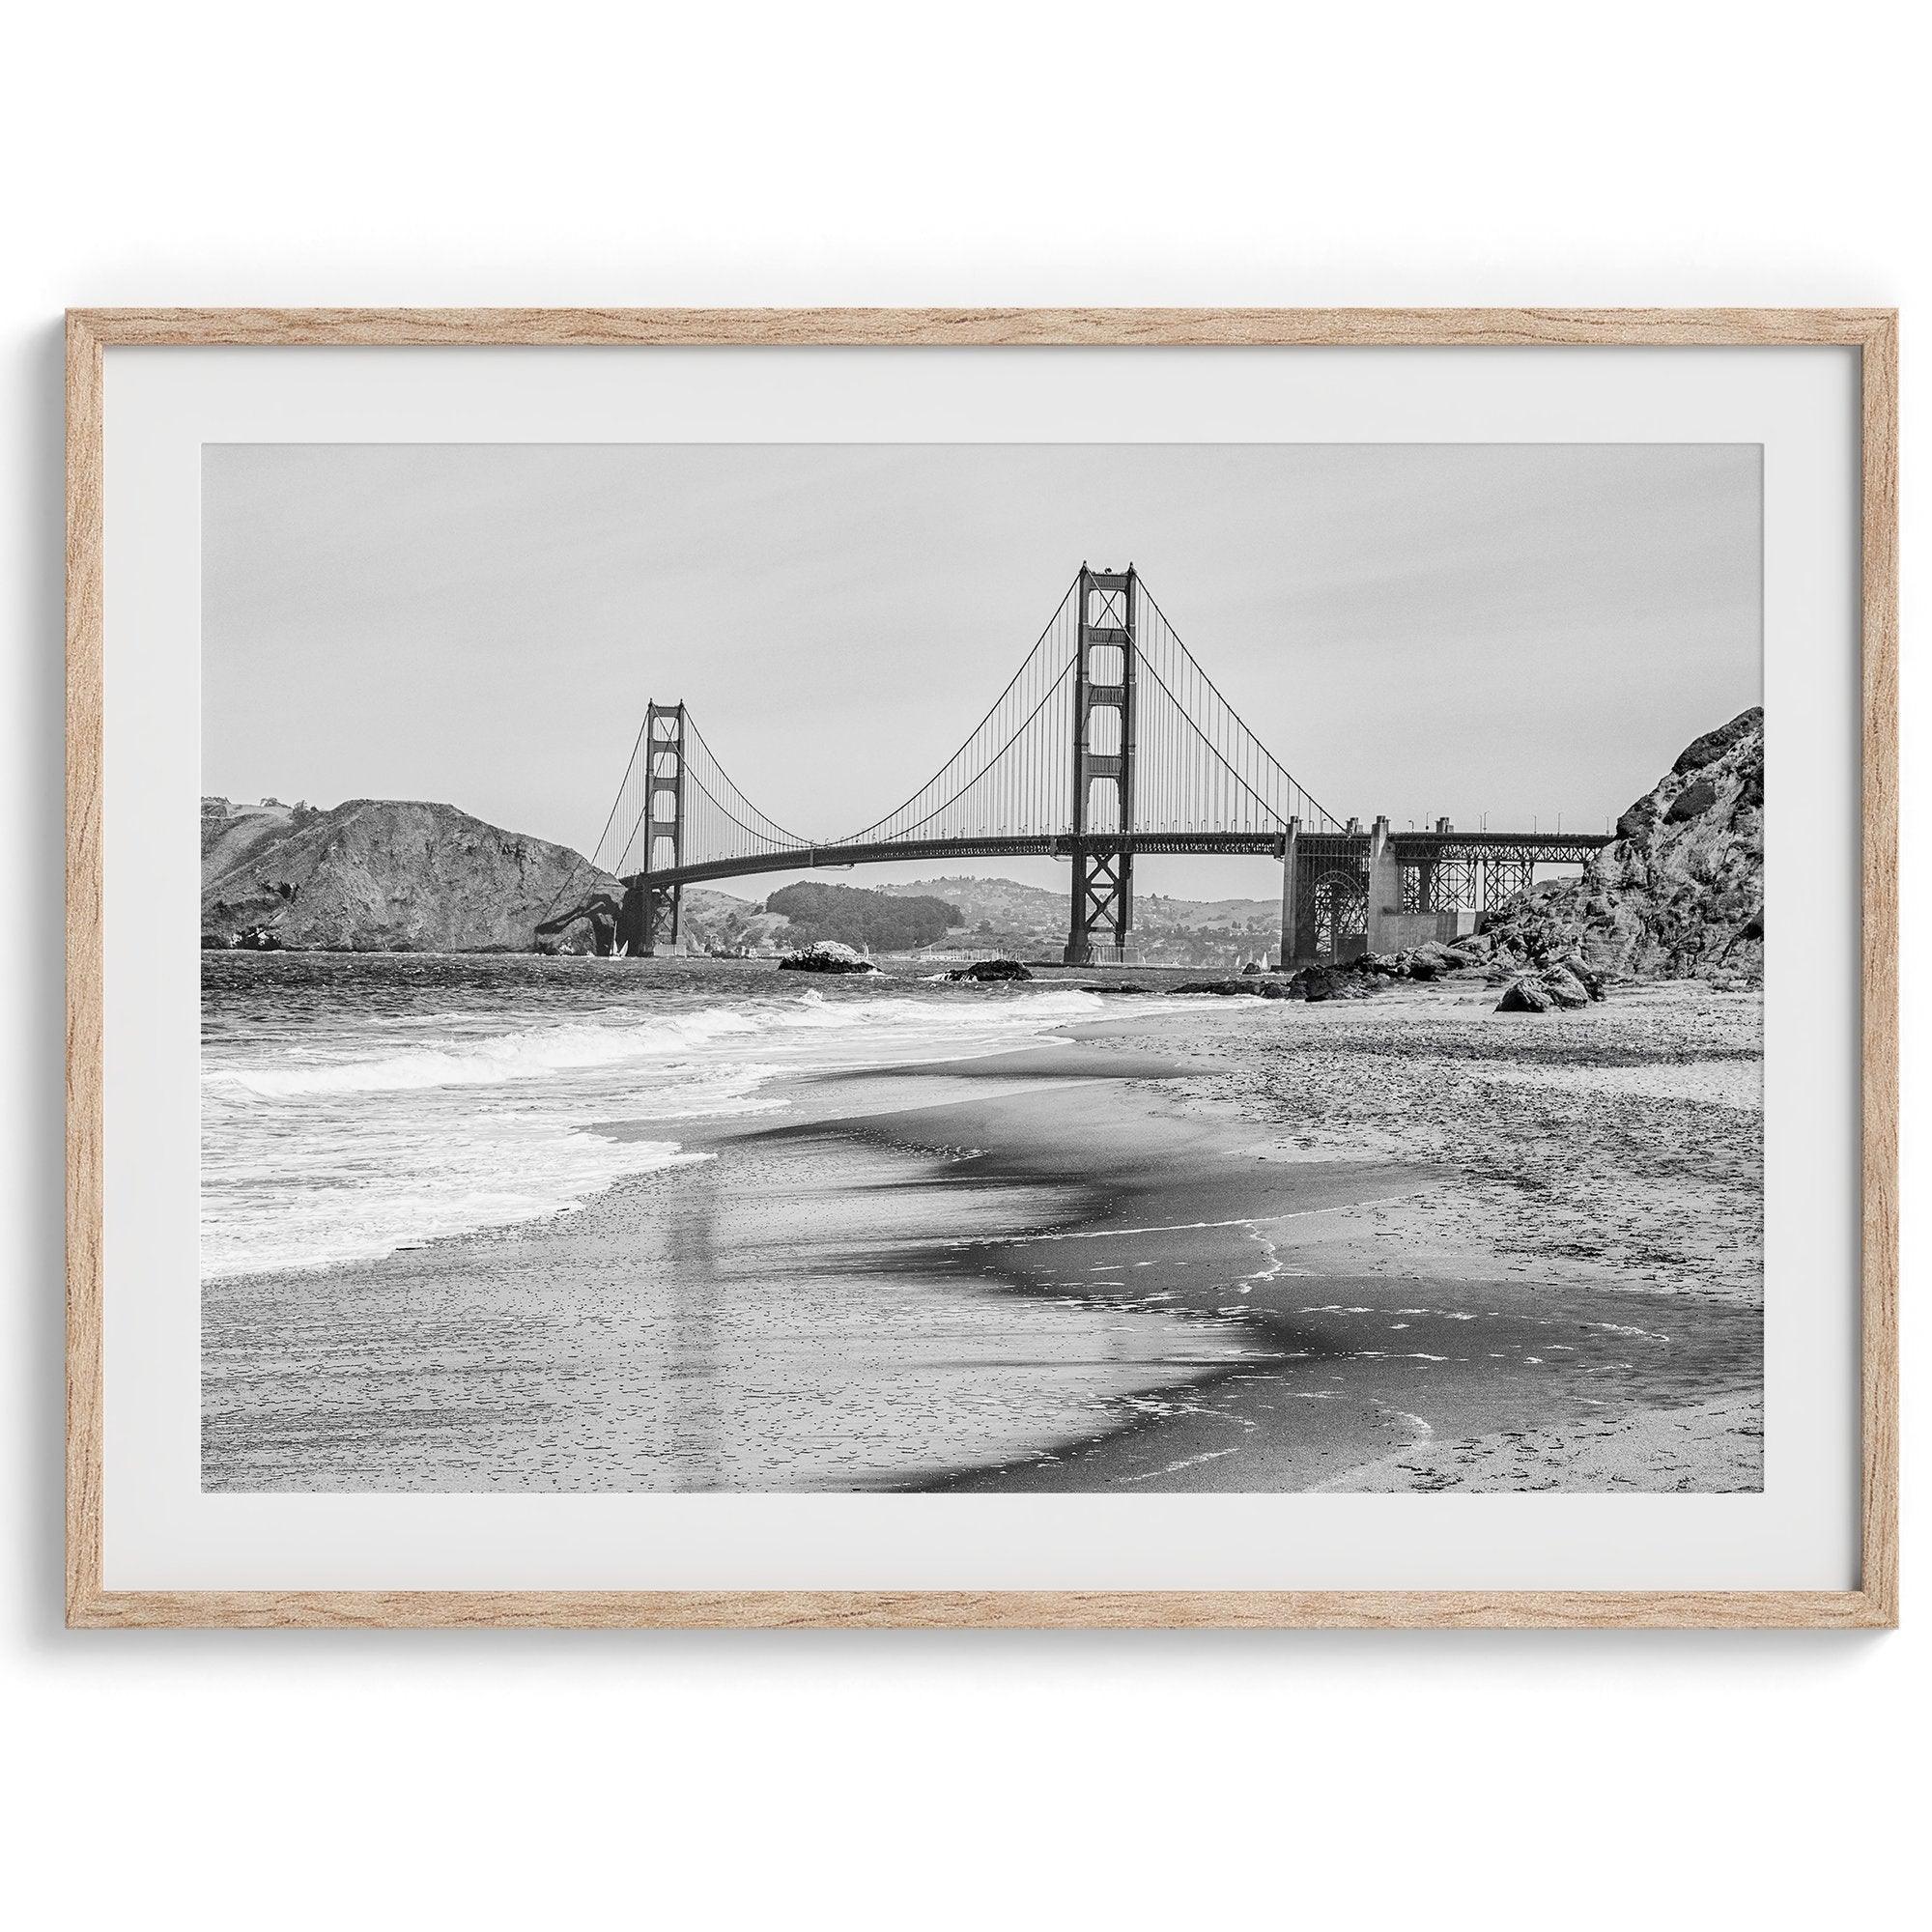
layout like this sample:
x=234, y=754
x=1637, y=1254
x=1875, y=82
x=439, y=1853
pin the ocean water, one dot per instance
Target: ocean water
x=355, y=1105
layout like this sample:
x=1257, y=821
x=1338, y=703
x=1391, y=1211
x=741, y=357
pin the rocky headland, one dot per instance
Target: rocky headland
x=1680, y=893
x=378, y=875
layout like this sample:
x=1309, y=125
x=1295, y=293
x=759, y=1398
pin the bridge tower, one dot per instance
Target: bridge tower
x=1104, y=674
x=649, y=922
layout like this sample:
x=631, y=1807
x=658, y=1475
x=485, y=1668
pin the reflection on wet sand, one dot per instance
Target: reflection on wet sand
x=765, y=1320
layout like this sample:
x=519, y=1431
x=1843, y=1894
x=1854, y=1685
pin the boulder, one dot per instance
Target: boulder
x=1592, y=982
x=1431, y=959
x=990, y=969
x=1563, y=987
x=1221, y=987
x=1334, y=983
x=1524, y=996
x=827, y=955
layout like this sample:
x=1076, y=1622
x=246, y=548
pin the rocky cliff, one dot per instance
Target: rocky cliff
x=378, y=875
x=1680, y=893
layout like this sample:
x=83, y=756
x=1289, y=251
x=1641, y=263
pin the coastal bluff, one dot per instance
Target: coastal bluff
x=1680, y=892
x=378, y=875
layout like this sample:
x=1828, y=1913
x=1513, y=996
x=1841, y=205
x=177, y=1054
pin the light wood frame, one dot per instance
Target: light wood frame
x=1872, y=333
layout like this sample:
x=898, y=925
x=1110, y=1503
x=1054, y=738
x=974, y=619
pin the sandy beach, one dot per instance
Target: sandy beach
x=1472, y=1251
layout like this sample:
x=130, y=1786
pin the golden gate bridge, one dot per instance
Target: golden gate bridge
x=1109, y=743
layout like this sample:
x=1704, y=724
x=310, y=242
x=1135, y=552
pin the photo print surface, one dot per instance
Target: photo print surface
x=1113, y=968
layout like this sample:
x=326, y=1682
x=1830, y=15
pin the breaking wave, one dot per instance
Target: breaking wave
x=338, y=1131
x=491, y=1060
x=530, y=1054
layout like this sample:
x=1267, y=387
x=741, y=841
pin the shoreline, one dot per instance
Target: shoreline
x=1597, y=1379
x=1435, y=1375
x=1219, y=1269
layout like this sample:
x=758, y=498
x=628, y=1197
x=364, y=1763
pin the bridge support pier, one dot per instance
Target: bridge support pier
x=1384, y=889
x=1103, y=903
x=648, y=921
x=668, y=920
x=632, y=921
x=1291, y=933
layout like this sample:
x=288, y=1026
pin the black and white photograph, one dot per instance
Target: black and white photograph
x=995, y=968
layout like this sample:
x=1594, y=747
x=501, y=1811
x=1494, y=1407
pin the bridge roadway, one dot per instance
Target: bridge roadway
x=1411, y=848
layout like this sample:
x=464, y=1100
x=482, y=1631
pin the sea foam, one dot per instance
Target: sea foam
x=335, y=1134
x=493, y=1059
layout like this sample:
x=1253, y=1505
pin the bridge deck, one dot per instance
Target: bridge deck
x=1410, y=848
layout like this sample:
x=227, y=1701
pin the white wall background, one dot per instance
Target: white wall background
x=405, y=152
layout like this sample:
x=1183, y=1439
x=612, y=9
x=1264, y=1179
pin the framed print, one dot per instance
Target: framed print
x=1110, y=967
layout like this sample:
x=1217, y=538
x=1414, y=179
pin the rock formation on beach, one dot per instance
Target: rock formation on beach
x=378, y=875
x=825, y=956
x=991, y=970
x=1680, y=893
x=1567, y=984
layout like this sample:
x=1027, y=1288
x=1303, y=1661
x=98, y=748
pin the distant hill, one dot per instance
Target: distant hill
x=1031, y=921
x=1159, y=914
x=859, y=917
x=717, y=922
x=1003, y=901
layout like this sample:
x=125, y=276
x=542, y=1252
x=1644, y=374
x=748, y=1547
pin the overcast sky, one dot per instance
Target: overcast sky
x=1517, y=630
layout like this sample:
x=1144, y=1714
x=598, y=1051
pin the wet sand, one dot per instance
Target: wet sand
x=764, y=1318
x=1365, y=1372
